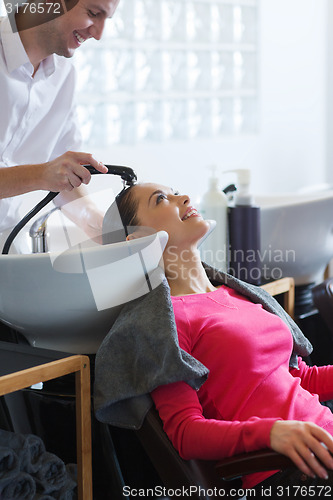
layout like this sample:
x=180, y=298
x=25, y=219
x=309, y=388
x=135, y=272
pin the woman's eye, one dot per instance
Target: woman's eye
x=92, y=14
x=160, y=197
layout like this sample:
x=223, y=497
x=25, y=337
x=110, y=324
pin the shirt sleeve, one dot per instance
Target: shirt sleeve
x=315, y=379
x=194, y=436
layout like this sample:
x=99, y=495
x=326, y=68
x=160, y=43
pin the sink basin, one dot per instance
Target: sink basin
x=296, y=235
x=68, y=300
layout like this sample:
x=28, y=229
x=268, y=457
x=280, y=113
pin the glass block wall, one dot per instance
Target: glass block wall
x=171, y=70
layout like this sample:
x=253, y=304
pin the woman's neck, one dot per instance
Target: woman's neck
x=186, y=274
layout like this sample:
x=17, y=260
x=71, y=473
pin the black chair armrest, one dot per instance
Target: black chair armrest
x=249, y=463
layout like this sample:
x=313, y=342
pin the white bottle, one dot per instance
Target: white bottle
x=214, y=205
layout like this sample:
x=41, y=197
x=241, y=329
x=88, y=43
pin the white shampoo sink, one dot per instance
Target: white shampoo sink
x=68, y=301
x=296, y=235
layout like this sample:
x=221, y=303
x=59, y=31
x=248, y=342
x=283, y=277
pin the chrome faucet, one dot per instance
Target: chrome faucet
x=38, y=233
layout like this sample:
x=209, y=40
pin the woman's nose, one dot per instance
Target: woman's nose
x=184, y=199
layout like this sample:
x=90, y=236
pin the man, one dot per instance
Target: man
x=39, y=139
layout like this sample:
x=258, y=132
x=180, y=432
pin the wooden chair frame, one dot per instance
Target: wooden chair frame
x=284, y=286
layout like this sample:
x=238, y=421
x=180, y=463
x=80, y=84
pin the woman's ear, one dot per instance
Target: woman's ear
x=140, y=232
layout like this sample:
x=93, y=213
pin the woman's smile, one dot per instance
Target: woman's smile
x=191, y=212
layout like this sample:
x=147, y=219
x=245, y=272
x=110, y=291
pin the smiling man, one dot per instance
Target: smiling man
x=40, y=144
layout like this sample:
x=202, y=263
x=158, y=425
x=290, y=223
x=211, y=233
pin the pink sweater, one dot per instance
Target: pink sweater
x=250, y=385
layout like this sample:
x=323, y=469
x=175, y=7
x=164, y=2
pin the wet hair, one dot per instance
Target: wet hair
x=120, y=219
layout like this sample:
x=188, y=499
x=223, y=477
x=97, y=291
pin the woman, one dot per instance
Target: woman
x=252, y=398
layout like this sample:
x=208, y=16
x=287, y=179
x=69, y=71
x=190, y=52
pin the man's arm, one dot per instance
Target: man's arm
x=61, y=174
x=79, y=208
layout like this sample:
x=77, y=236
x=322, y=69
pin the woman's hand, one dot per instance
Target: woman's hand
x=306, y=444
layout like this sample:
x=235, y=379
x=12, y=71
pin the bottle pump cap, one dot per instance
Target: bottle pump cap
x=243, y=196
x=213, y=179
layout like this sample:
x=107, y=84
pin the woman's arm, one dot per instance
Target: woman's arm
x=194, y=436
x=315, y=379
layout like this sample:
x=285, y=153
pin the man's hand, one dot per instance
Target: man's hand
x=67, y=172
x=61, y=174
x=65, y=175
x=308, y=445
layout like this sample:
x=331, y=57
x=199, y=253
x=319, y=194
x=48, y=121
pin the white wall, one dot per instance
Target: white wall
x=290, y=149
x=293, y=75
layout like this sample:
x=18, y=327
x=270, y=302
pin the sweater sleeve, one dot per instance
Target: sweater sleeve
x=194, y=436
x=315, y=379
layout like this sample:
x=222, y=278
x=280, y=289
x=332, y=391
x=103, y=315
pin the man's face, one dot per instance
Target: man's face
x=66, y=33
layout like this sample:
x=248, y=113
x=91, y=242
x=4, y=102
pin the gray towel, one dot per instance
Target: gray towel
x=31, y=453
x=28, y=463
x=67, y=492
x=51, y=474
x=141, y=352
x=28, y=447
x=69, y=489
x=20, y=487
x=9, y=463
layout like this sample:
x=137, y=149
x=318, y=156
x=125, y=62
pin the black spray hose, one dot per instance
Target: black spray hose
x=25, y=220
x=126, y=173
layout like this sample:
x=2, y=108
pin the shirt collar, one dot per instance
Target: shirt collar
x=16, y=56
x=48, y=65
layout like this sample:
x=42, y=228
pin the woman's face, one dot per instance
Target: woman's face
x=160, y=208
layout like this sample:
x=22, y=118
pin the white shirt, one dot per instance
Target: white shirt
x=37, y=117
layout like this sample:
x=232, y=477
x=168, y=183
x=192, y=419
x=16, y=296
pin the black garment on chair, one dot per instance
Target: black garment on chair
x=323, y=299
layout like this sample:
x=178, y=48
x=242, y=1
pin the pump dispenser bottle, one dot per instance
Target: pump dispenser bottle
x=214, y=205
x=244, y=232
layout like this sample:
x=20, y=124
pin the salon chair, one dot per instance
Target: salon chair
x=176, y=472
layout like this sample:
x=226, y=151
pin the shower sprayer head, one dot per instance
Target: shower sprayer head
x=126, y=173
